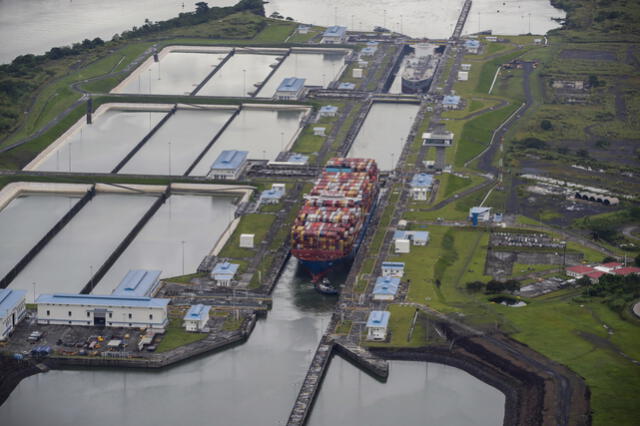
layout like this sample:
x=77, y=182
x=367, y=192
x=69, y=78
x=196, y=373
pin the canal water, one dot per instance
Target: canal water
x=262, y=132
x=185, y=221
x=100, y=146
x=177, y=73
x=318, y=69
x=35, y=26
x=384, y=133
x=176, y=145
x=24, y=221
x=240, y=75
x=66, y=264
x=253, y=384
x=416, y=393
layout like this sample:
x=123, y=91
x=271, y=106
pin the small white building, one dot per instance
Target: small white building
x=402, y=245
x=402, y=224
x=492, y=39
x=463, y=75
x=291, y=89
x=224, y=272
x=303, y=29
x=480, y=214
x=328, y=111
x=196, y=318
x=334, y=35
x=465, y=67
x=451, y=102
x=420, y=186
x=357, y=73
x=418, y=238
x=246, y=240
x=437, y=139
x=377, y=325
x=472, y=46
x=386, y=288
x=273, y=195
x=12, y=310
x=346, y=86
x=393, y=269
x=319, y=131
x=229, y=165
x=96, y=310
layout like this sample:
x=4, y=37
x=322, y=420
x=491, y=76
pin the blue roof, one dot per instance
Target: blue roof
x=291, y=84
x=378, y=319
x=414, y=235
x=368, y=50
x=372, y=43
x=346, y=86
x=472, y=43
x=273, y=194
x=138, y=282
x=197, y=312
x=393, y=264
x=329, y=109
x=386, y=286
x=298, y=158
x=224, y=270
x=335, y=31
x=479, y=210
x=9, y=299
x=111, y=300
x=451, y=100
x=230, y=159
x=421, y=180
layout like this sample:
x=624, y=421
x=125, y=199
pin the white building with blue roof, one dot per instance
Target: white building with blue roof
x=451, y=102
x=417, y=238
x=12, y=310
x=393, y=269
x=291, y=89
x=96, y=310
x=328, y=111
x=377, y=325
x=334, y=35
x=421, y=185
x=479, y=214
x=346, y=86
x=229, y=165
x=386, y=288
x=224, y=272
x=196, y=318
x=472, y=46
x=139, y=282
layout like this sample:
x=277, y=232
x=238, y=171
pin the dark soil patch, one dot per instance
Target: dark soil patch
x=616, y=152
x=593, y=55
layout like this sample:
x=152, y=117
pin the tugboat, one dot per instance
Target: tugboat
x=325, y=287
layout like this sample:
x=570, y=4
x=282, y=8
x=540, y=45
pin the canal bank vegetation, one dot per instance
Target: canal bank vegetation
x=41, y=84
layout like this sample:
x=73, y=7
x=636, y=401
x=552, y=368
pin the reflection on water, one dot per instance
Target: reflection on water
x=415, y=393
x=252, y=384
x=24, y=221
x=190, y=222
x=178, y=142
x=98, y=147
x=239, y=76
x=67, y=263
x=262, y=132
x=384, y=132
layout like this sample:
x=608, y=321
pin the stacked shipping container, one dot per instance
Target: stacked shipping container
x=333, y=217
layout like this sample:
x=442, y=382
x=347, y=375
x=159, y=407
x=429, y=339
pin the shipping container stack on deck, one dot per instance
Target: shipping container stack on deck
x=335, y=213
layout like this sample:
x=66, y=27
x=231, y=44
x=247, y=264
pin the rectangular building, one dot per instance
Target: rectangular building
x=420, y=186
x=393, y=269
x=291, y=89
x=418, y=238
x=480, y=214
x=437, y=139
x=139, y=283
x=224, y=272
x=334, y=35
x=96, y=310
x=12, y=310
x=229, y=165
x=451, y=102
x=377, y=325
x=196, y=318
x=386, y=288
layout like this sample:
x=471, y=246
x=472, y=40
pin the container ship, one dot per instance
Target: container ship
x=419, y=68
x=332, y=222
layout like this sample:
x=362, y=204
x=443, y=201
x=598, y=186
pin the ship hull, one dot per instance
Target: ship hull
x=415, y=86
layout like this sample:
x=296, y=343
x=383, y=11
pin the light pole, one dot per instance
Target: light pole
x=384, y=18
x=182, y=256
x=529, y=23
x=91, y=277
x=169, y=158
x=34, y=292
x=244, y=82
